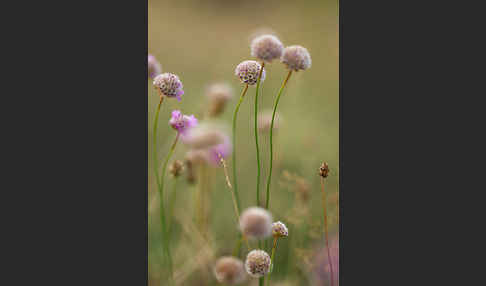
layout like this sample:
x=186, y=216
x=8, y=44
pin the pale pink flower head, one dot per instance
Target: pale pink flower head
x=296, y=58
x=229, y=270
x=256, y=223
x=266, y=48
x=169, y=85
x=257, y=263
x=248, y=71
x=182, y=123
x=154, y=67
x=279, y=229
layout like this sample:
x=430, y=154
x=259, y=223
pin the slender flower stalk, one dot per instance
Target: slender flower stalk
x=256, y=133
x=272, y=258
x=162, y=208
x=237, y=212
x=172, y=202
x=271, y=137
x=235, y=114
x=160, y=188
x=278, y=230
x=324, y=172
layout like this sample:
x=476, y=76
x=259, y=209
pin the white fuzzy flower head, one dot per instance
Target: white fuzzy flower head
x=169, y=85
x=256, y=223
x=266, y=48
x=279, y=229
x=248, y=71
x=229, y=270
x=257, y=263
x=296, y=58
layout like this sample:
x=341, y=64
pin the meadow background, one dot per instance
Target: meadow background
x=202, y=41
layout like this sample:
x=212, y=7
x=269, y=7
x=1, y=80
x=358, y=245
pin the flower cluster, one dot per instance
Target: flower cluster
x=266, y=48
x=256, y=223
x=182, y=123
x=296, y=58
x=169, y=85
x=248, y=72
x=257, y=263
x=279, y=229
x=229, y=270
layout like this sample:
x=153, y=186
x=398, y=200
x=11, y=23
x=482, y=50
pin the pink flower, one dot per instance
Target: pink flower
x=181, y=122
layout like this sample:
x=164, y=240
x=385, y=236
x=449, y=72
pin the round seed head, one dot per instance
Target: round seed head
x=154, y=67
x=266, y=48
x=176, y=168
x=257, y=263
x=256, y=223
x=248, y=72
x=324, y=170
x=218, y=95
x=279, y=229
x=229, y=270
x=169, y=85
x=182, y=123
x=296, y=58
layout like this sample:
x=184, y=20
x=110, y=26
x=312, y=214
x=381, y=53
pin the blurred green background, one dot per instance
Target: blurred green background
x=202, y=41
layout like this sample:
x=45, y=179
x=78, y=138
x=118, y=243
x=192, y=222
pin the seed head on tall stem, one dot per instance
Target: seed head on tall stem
x=167, y=85
x=278, y=230
x=324, y=173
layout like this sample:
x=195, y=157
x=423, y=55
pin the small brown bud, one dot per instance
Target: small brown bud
x=176, y=168
x=324, y=170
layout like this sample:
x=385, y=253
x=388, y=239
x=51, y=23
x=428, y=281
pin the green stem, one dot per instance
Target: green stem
x=235, y=185
x=162, y=208
x=256, y=134
x=271, y=137
x=274, y=248
x=235, y=114
x=172, y=202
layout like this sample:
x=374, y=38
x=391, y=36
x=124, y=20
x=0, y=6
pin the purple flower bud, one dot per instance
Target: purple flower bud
x=169, y=85
x=248, y=72
x=181, y=122
x=154, y=67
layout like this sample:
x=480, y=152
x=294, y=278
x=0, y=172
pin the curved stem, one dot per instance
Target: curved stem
x=326, y=230
x=271, y=137
x=272, y=259
x=256, y=134
x=156, y=123
x=235, y=114
x=235, y=185
x=162, y=208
